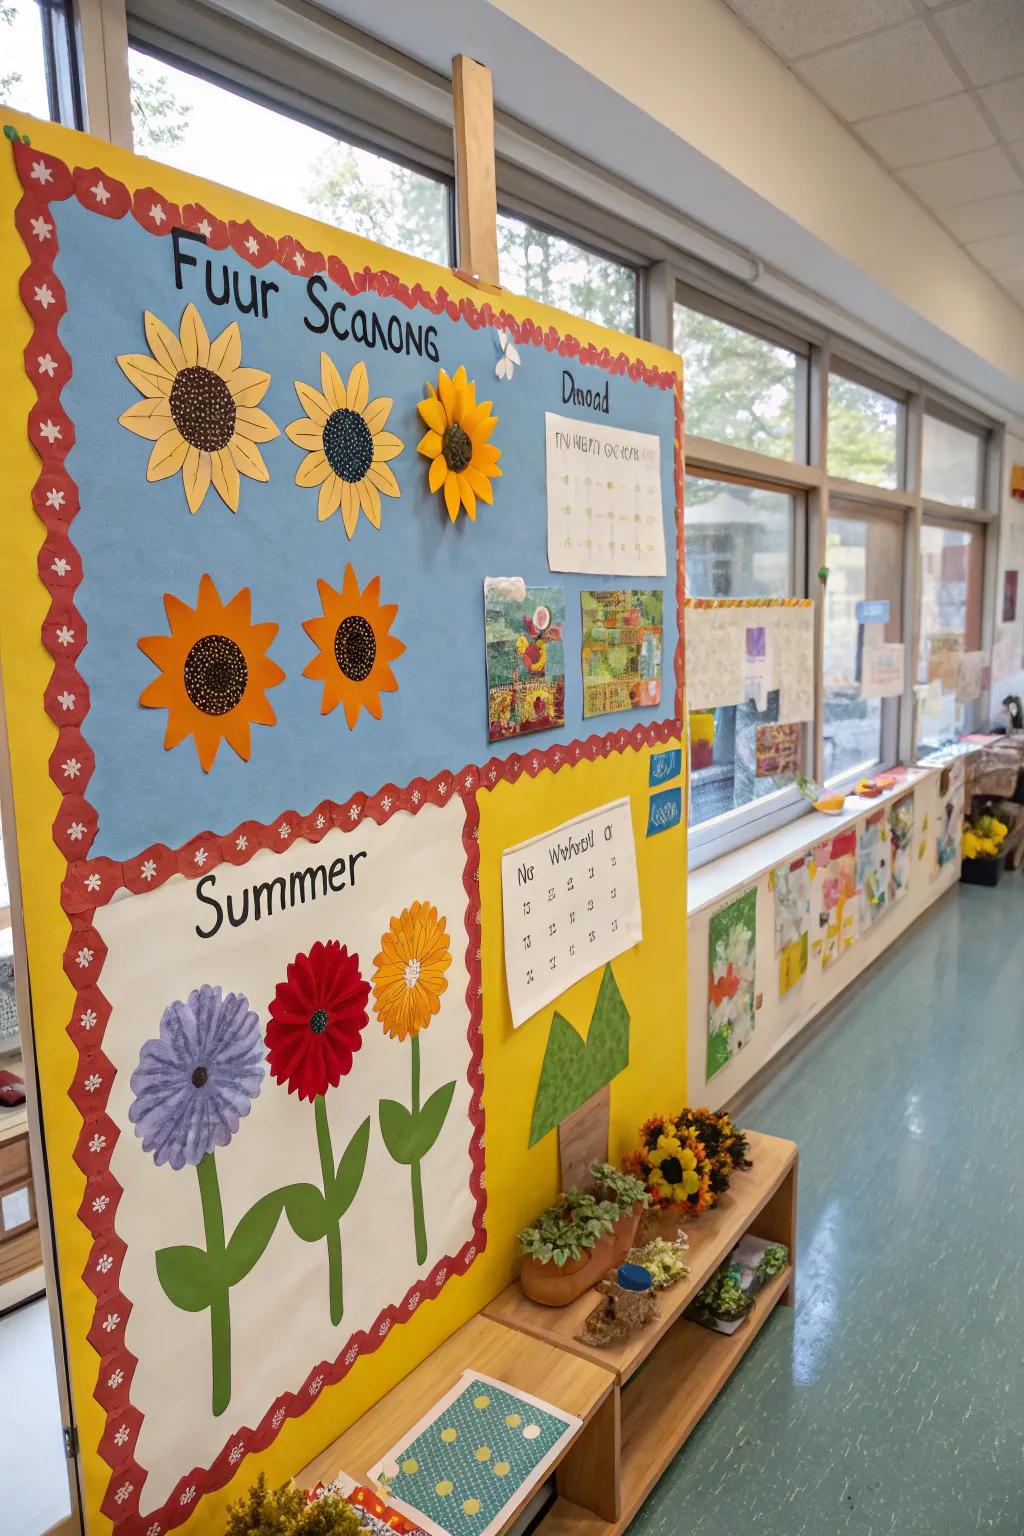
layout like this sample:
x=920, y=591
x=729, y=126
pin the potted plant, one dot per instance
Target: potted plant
x=571, y=1245
x=288, y=1511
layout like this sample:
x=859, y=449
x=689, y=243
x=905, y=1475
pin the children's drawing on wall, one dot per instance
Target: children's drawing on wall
x=732, y=948
x=837, y=862
x=792, y=884
x=873, y=861
x=621, y=650
x=524, y=629
x=901, y=836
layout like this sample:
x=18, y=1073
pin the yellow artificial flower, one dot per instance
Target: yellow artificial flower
x=199, y=408
x=674, y=1173
x=462, y=460
x=347, y=448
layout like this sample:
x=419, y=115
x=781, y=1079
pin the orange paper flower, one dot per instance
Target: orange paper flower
x=409, y=977
x=214, y=672
x=354, y=647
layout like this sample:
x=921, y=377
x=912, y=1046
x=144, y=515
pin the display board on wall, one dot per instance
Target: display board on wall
x=263, y=471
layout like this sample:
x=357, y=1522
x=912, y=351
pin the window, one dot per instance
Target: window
x=203, y=127
x=952, y=560
x=865, y=563
x=951, y=463
x=23, y=58
x=553, y=270
x=865, y=433
x=740, y=388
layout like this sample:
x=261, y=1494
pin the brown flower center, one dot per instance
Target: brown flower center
x=457, y=447
x=355, y=647
x=216, y=674
x=202, y=408
x=348, y=445
x=199, y=1077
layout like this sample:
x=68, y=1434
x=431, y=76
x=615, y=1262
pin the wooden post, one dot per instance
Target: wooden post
x=476, y=197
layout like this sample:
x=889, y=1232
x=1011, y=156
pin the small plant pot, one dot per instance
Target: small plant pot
x=982, y=871
x=623, y=1238
x=556, y=1285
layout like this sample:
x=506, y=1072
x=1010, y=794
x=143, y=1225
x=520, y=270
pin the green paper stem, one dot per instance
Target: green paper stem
x=418, y=1219
x=220, y=1306
x=332, y=1235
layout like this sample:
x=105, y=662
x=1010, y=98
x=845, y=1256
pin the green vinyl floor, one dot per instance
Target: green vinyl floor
x=891, y=1400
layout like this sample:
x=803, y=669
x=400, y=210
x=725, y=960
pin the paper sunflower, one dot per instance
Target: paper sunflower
x=409, y=971
x=200, y=408
x=462, y=460
x=347, y=448
x=214, y=672
x=354, y=647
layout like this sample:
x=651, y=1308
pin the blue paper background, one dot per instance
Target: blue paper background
x=138, y=541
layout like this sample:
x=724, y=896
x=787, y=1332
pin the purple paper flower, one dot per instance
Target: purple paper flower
x=193, y=1085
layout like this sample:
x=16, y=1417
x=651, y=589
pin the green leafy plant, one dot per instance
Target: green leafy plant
x=723, y=1296
x=625, y=1189
x=565, y=1231
x=772, y=1261
x=665, y=1261
x=286, y=1511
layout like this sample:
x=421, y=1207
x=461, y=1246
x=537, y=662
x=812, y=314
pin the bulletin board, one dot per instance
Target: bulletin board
x=256, y=473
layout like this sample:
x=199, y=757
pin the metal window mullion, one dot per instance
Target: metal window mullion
x=817, y=537
x=911, y=628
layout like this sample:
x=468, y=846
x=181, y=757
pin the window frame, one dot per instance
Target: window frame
x=853, y=373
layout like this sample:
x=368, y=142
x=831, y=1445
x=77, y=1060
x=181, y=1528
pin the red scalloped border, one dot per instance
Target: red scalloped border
x=90, y=883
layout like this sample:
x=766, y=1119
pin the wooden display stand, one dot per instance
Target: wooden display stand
x=20, y=1249
x=585, y=1473
x=686, y=1364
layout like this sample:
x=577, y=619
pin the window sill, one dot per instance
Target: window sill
x=735, y=871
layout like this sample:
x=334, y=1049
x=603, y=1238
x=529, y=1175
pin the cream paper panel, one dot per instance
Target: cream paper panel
x=280, y=1321
x=715, y=650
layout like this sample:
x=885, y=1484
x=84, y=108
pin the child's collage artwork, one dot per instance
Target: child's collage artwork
x=272, y=480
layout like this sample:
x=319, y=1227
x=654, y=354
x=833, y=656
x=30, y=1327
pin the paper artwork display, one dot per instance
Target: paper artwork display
x=792, y=964
x=901, y=836
x=743, y=648
x=949, y=829
x=604, y=499
x=575, y=1069
x=665, y=766
x=472, y=1458
x=944, y=651
x=776, y=750
x=792, y=884
x=1010, y=580
x=1002, y=658
x=570, y=903
x=837, y=862
x=732, y=950
x=881, y=671
x=702, y=739
x=970, y=675
x=621, y=651
x=874, y=859
x=664, y=811
x=524, y=628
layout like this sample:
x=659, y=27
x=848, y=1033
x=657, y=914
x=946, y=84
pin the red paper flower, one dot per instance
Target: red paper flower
x=316, y=1020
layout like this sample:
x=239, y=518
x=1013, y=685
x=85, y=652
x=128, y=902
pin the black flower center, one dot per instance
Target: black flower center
x=348, y=445
x=216, y=674
x=355, y=647
x=457, y=447
x=318, y=1021
x=202, y=408
x=199, y=1077
x=672, y=1170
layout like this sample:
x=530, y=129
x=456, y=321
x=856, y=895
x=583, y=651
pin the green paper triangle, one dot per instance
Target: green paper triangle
x=575, y=1069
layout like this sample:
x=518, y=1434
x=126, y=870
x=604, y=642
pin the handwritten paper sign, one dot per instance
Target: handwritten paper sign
x=664, y=811
x=571, y=903
x=665, y=766
x=881, y=672
x=604, y=499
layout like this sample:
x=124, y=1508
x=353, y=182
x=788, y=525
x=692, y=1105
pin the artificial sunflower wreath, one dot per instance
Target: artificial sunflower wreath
x=463, y=461
x=687, y=1160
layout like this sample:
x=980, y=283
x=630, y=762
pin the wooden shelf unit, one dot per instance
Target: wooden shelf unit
x=686, y=1365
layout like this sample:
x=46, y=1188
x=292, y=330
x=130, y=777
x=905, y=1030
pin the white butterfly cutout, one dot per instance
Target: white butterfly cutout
x=509, y=359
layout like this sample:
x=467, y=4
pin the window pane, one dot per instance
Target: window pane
x=739, y=388
x=23, y=58
x=951, y=573
x=723, y=759
x=554, y=271
x=951, y=463
x=738, y=540
x=865, y=562
x=863, y=433
x=205, y=128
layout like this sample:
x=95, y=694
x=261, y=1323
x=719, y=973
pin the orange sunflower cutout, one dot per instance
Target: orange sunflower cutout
x=200, y=408
x=347, y=448
x=354, y=647
x=214, y=672
x=409, y=978
x=463, y=461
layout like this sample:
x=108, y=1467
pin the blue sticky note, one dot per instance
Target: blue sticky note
x=666, y=765
x=874, y=611
x=665, y=810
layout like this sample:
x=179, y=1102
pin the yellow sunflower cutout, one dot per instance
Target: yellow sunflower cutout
x=462, y=460
x=347, y=448
x=214, y=672
x=354, y=647
x=199, y=408
x=409, y=978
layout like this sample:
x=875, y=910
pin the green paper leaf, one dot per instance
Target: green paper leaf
x=432, y=1117
x=575, y=1069
x=350, y=1170
x=396, y=1127
x=409, y=1136
x=307, y=1212
x=187, y=1276
x=250, y=1238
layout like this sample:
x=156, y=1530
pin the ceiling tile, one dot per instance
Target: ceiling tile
x=1013, y=278
x=900, y=67
x=987, y=218
x=1005, y=101
x=1016, y=147
x=952, y=126
x=963, y=178
x=999, y=253
x=795, y=27
x=987, y=37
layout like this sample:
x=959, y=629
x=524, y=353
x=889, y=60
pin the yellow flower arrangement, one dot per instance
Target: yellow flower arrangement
x=463, y=461
x=674, y=1173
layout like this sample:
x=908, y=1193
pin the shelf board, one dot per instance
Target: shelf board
x=712, y=1237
